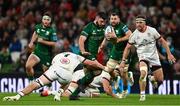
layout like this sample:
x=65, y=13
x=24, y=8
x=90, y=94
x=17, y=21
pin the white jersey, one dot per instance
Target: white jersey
x=63, y=66
x=145, y=42
x=97, y=82
x=67, y=60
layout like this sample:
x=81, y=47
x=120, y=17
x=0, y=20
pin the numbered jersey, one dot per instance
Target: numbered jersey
x=67, y=60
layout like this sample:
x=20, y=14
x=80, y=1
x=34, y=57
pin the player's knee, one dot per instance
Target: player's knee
x=71, y=89
x=143, y=71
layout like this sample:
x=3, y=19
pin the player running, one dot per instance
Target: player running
x=144, y=38
x=118, y=34
x=43, y=40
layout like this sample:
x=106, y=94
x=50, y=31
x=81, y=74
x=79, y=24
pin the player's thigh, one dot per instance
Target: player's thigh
x=63, y=76
x=45, y=60
x=158, y=74
x=44, y=80
x=143, y=67
x=32, y=60
x=77, y=75
x=50, y=74
x=111, y=64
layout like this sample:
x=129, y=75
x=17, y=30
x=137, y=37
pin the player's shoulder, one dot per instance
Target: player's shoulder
x=152, y=29
x=88, y=25
x=122, y=25
x=136, y=32
x=38, y=25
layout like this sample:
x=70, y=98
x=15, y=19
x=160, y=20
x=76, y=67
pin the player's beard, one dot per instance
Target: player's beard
x=113, y=24
x=98, y=24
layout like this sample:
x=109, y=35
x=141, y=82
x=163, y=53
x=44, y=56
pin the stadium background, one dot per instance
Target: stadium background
x=18, y=18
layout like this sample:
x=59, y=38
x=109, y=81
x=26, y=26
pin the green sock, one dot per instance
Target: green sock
x=86, y=80
x=76, y=92
x=31, y=78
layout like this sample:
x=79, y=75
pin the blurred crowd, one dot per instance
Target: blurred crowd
x=18, y=18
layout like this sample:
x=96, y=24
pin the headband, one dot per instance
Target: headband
x=46, y=17
x=140, y=20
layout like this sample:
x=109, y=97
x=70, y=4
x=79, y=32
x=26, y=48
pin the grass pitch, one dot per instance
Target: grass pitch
x=103, y=100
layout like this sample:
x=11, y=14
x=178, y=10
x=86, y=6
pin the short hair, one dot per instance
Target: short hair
x=102, y=15
x=115, y=12
x=48, y=14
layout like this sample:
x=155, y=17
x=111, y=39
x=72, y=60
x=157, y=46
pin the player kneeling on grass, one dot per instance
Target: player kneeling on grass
x=62, y=68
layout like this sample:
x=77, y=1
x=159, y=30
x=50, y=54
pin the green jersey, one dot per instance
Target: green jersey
x=118, y=48
x=44, y=52
x=48, y=34
x=95, y=36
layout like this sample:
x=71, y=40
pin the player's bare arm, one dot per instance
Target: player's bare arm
x=107, y=88
x=94, y=64
x=45, y=42
x=125, y=38
x=170, y=57
x=82, y=40
x=33, y=40
x=125, y=55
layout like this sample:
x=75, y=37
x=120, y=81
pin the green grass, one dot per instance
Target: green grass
x=133, y=99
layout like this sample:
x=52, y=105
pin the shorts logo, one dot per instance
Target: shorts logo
x=64, y=60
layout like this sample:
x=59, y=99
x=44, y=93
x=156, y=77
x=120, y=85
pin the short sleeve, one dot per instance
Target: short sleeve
x=125, y=29
x=80, y=58
x=54, y=35
x=37, y=29
x=156, y=34
x=131, y=39
x=86, y=30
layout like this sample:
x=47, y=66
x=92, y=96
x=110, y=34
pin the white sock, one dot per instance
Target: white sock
x=142, y=92
x=21, y=94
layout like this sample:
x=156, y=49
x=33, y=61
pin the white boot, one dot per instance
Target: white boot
x=57, y=96
x=12, y=98
x=142, y=98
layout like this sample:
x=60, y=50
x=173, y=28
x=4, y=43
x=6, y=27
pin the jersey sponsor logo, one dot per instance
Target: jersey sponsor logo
x=94, y=32
x=145, y=42
x=42, y=30
x=64, y=60
x=47, y=32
